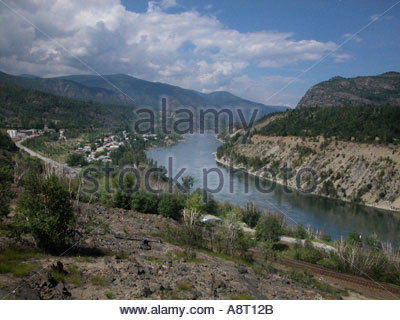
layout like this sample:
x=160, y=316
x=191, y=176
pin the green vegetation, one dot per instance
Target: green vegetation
x=7, y=151
x=243, y=296
x=184, y=286
x=17, y=261
x=305, y=277
x=122, y=256
x=362, y=124
x=99, y=281
x=365, y=258
x=44, y=210
x=270, y=228
x=154, y=259
x=75, y=160
x=171, y=205
x=26, y=108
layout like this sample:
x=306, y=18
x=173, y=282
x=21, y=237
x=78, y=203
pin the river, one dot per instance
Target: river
x=337, y=218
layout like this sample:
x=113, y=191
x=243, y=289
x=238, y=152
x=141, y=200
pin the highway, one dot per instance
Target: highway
x=67, y=170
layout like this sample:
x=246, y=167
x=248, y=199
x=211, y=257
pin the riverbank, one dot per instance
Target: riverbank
x=292, y=184
x=357, y=173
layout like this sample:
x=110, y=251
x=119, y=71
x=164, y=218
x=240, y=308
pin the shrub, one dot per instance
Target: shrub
x=145, y=202
x=299, y=231
x=171, y=205
x=251, y=214
x=5, y=191
x=44, y=210
x=269, y=228
x=75, y=160
x=122, y=200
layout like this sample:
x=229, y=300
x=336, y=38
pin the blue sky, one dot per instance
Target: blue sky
x=255, y=49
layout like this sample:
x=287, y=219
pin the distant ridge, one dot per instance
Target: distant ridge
x=143, y=93
x=24, y=75
x=380, y=90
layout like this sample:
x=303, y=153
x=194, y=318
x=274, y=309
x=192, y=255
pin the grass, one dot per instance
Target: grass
x=187, y=257
x=172, y=296
x=108, y=294
x=122, y=256
x=307, y=278
x=73, y=275
x=15, y=261
x=57, y=276
x=84, y=259
x=242, y=296
x=154, y=259
x=99, y=281
x=4, y=230
x=324, y=287
x=226, y=257
x=184, y=286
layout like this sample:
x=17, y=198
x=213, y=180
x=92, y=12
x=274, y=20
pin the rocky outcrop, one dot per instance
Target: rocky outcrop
x=349, y=171
x=378, y=90
x=118, y=257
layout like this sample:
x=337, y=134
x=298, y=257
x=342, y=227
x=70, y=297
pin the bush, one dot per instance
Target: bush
x=299, y=231
x=145, y=202
x=44, y=210
x=75, y=160
x=269, y=228
x=6, y=194
x=171, y=205
x=122, y=200
x=251, y=214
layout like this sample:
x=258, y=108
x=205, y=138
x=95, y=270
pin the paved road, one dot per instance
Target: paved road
x=314, y=243
x=66, y=169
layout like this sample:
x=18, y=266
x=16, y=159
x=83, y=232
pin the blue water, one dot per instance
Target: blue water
x=335, y=217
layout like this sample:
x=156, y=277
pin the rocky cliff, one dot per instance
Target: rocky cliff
x=349, y=171
x=378, y=90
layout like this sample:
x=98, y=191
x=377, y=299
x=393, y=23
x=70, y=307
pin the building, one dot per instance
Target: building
x=12, y=133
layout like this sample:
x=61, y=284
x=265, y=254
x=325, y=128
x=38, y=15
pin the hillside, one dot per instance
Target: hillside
x=380, y=90
x=361, y=123
x=353, y=150
x=144, y=93
x=27, y=108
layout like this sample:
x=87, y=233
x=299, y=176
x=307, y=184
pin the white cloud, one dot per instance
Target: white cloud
x=187, y=48
x=161, y=5
x=341, y=57
x=379, y=16
x=351, y=36
x=375, y=17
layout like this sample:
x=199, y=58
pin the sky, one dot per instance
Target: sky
x=266, y=51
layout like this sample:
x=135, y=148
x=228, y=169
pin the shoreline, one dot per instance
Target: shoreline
x=292, y=185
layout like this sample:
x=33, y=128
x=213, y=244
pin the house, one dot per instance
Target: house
x=12, y=133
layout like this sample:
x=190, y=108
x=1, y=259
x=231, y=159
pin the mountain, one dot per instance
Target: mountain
x=25, y=75
x=127, y=90
x=28, y=108
x=380, y=90
x=353, y=151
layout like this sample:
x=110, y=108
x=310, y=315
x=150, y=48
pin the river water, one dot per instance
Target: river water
x=337, y=218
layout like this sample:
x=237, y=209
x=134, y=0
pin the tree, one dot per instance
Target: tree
x=45, y=211
x=187, y=183
x=75, y=160
x=269, y=228
x=122, y=200
x=251, y=214
x=6, y=193
x=231, y=230
x=144, y=202
x=171, y=205
x=300, y=232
